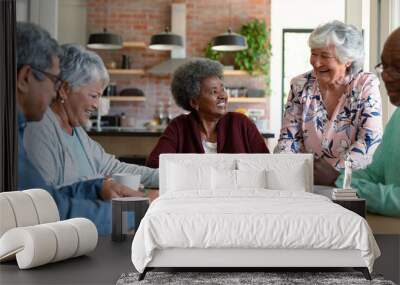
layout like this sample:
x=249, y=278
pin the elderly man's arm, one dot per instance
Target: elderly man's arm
x=369, y=183
x=381, y=199
x=72, y=202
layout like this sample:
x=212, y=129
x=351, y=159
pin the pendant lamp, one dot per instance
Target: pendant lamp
x=104, y=40
x=229, y=41
x=166, y=41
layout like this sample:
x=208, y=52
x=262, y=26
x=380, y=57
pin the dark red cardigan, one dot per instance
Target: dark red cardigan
x=235, y=134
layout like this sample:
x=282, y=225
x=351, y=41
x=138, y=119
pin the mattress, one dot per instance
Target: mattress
x=250, y=219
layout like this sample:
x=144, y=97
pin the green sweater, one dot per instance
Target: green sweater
x=379, y=183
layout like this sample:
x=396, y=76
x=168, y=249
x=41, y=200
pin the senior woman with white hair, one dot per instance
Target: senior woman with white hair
x=333, y=111
x=58, y=145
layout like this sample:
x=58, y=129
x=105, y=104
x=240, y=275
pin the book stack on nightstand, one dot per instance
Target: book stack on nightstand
x=344, y=194
x=348, y=199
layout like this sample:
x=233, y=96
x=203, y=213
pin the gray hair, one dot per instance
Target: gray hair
x=80, y=67
x=35, y=47
x=347, y=40
x=187, y=79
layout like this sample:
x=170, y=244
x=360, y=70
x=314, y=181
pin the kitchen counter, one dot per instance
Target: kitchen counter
x=127, y=131
x=125, y=142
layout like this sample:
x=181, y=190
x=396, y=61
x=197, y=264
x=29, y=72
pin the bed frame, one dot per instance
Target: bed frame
x=248, y=259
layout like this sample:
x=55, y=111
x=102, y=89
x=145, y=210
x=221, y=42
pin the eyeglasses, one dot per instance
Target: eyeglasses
x=390, y=70
x=57, y=81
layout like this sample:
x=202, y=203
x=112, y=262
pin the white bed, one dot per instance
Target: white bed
x=220, y=211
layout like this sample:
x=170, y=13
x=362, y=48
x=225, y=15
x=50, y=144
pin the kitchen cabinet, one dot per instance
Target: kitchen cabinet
x=128, y=142
x=127, y=98
x=139, y=45
x=130, y=72
x=142, y=99
x=246, y=100
x=233, y=77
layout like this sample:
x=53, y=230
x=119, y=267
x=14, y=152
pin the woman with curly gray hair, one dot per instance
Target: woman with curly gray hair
x=198, y=87
x=333, y=111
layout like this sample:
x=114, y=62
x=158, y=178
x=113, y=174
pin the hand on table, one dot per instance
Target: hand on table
x=112, y=189
x=152, y=194
x=324, y=173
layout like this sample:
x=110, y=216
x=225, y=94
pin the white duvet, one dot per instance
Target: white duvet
x=254, y=218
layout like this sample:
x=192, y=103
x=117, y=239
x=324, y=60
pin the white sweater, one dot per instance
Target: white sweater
x=47, y=149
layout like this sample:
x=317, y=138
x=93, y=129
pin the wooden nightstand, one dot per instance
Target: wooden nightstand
x=358, y=205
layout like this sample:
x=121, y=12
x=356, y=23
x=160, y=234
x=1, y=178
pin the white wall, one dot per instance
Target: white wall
x=294, y=14
x=390, y=20
x=72, y=22
x=45, y=14
x=22, y=9
x=41, y=12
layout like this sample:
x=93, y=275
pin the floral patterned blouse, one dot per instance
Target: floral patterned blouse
x=355, y=127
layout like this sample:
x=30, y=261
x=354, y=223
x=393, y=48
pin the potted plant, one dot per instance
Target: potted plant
x=255, y=59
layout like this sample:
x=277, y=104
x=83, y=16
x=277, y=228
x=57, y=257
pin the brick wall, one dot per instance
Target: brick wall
x=138, y=20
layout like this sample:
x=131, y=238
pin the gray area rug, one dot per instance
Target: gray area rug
x=269, y=278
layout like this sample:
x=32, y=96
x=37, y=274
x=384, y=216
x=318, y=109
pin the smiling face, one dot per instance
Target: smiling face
x=391, y=67
x=328, y=69
x=82, y=102
x=213, y=100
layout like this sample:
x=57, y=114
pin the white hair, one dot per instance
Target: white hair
x=347, y=39
x=79, y=66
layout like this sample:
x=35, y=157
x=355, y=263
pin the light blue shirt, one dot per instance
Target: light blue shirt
x=79, y=155
x=80, y=199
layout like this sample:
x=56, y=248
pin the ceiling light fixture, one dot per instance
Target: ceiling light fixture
x=166, y=41
x=229, y=41
x=104, y=40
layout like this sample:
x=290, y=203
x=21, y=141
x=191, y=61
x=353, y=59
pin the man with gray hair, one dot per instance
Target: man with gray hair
x=38, y=83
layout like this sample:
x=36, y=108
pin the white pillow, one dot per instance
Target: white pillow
x=188, y=177
x=281, y=173
x=223, y=179
x=251, y=179
x=226, y=179
x=293, y=179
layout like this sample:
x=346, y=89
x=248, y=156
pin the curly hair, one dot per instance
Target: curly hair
x=347, y=39
x=187, y=79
